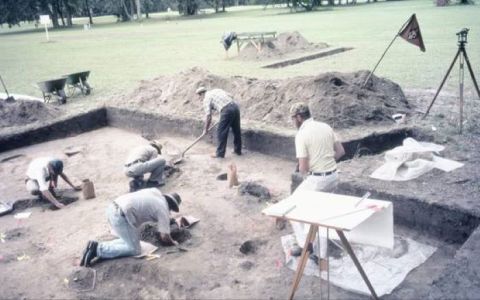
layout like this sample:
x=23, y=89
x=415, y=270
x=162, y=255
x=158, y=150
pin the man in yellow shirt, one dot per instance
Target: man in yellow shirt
x=317, y=149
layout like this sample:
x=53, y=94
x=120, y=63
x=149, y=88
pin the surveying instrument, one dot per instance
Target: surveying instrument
x=462, y=54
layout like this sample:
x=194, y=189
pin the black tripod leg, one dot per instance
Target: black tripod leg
x=441, y=85
x=470, y=69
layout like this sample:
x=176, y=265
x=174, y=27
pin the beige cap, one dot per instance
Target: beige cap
x=157, y=145
x=299, y=108
x=200, y=90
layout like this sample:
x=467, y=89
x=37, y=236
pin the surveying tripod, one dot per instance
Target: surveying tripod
x=462, y=53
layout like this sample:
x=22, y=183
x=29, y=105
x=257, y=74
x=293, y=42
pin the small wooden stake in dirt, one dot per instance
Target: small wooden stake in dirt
x=180, y=159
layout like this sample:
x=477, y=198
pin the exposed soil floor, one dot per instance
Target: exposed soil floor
x=50, y=243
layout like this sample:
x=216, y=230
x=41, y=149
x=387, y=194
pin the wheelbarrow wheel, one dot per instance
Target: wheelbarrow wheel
x=70, y=90
x=85, y=88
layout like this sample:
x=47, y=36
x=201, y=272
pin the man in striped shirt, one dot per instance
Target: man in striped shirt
x=220, y=101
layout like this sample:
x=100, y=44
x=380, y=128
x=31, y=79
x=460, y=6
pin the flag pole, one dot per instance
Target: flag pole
x=385, y=52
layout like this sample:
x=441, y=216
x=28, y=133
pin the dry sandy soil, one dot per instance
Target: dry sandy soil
x=213, y=268
x=51, y=242
x=335, y=98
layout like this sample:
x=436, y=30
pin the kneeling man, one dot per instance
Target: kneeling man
x=126, y=214
x=146, y=159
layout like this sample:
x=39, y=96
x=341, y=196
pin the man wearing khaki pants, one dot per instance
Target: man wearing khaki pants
x=317, y=149
x=145, y=159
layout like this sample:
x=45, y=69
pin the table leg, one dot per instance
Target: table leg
x=303, y=260
x=349, y=250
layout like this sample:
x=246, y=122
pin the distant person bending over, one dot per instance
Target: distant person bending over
x=126, y=214
x=146, y=159
x=317, y=149
x=42, y=178
x=223, y=103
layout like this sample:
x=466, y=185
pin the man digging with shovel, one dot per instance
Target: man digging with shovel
x=222, y=102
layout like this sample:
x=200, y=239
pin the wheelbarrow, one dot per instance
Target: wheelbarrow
x=78, y=80
x=51, y=88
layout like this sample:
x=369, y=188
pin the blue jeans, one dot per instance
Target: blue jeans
x=128, y=243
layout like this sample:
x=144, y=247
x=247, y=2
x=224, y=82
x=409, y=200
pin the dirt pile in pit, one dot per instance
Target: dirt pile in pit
x=22, y=112
x=284, y=43
x=335, y=98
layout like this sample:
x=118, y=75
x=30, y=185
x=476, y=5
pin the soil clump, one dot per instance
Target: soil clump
x=149, y=233
x=335, y=98
x=285, y=43
x=22, y=112
x=255, y=189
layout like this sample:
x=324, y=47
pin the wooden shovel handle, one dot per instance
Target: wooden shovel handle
x=198, y=139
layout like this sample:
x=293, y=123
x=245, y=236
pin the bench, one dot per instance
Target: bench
x=255, y=38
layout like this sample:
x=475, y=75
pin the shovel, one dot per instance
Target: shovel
x=9, y=98
x=180, y=159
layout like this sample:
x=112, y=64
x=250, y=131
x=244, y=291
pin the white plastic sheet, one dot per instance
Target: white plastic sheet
x=411, y=160
x=385, y=268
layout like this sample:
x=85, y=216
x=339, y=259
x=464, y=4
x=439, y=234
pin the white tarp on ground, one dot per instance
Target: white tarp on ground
x=385, y=268
x=412, y=160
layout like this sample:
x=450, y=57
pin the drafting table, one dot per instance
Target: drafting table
x=367, y=221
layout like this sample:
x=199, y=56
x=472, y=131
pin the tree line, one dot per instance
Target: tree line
x=61, y=12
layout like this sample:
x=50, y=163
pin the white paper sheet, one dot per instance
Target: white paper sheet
x=370, y=223
x=23, y=215
x=147, y=249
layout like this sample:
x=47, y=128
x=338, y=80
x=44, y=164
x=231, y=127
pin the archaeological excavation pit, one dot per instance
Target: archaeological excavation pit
x=51, y=242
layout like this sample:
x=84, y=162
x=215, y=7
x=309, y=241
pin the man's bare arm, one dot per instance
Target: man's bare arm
x=339, y=150
x=167, y=238
x=303, y=166
x=75, y=187
x=208, y=121
x=52, y=199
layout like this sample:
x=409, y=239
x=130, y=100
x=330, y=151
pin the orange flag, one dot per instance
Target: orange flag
x=411, y=33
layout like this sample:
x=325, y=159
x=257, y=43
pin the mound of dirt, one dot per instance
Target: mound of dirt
x=284, y=43
x=22, y=112
x=335, y=98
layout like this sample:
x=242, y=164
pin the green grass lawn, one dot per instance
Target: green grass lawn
x=121, y=54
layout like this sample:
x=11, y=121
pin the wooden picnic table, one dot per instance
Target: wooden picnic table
x=255, y=38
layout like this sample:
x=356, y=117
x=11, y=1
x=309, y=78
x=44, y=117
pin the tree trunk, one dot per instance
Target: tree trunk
x=60, y=12
x=139, y=10
x=53, y=15
x=125, y=15
x=132, y=8
x=89, y=13
x=223, y=5
x=68, y=10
